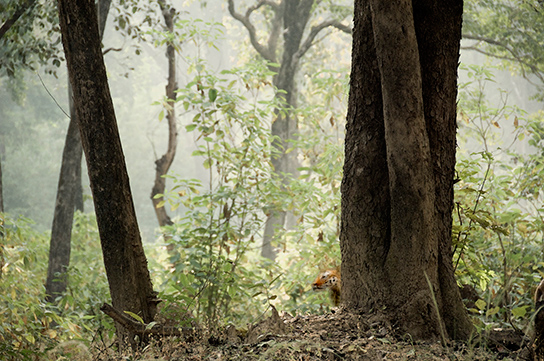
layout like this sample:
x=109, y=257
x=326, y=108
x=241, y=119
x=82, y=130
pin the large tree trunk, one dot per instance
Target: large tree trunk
x=126, y=265
x=162, y=165
x=397, y=190
x=69, y=194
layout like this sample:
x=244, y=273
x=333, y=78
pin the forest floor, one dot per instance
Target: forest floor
x=335, y=336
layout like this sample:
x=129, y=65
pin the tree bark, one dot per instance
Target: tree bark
x=69, y=194
x=162, y=165
x=397, y=190
x=61, y=230
x=124, y=258
x=438, y=29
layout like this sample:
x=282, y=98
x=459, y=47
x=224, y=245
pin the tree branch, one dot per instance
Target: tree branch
x=265, y=52
x=20, y=11
x=315, y=30
x=111, y=49
x=515, y=56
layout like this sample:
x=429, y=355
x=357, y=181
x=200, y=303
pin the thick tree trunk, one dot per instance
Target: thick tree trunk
x=438, y=30
x=397, y=190
x=162, y=165
x=126, y=265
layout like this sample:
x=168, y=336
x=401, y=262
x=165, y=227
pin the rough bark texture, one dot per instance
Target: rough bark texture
x=438, y=30
x=162, y=165
x=538, y=338
x=397, y=190
x=124, y=258
x=69, y=193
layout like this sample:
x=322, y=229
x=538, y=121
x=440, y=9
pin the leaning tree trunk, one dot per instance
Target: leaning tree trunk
x=124, y=258
x=397, y=190
x=162, y=165
x=69, y=194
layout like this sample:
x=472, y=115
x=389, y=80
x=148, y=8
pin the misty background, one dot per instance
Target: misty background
x=34, y=122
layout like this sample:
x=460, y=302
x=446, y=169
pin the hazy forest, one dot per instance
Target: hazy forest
x=239, y=179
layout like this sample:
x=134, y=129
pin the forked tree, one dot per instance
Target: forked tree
x=288, y=20
x=397, y=189
x=125, y=262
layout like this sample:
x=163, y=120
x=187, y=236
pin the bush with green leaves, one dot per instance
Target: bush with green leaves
x=30, y=327
x=498, y=206
x=224, y=216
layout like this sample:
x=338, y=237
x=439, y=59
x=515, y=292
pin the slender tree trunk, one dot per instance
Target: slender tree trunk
x=162, y=165
x=124, y=258
x=1, y=188
x=397, y=190
x=61, y=231
x=285, y=126
x=2, y=243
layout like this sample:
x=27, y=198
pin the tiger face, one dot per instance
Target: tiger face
x=326, y=279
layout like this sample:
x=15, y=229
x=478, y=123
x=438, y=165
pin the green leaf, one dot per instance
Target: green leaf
x=190, y=127
x=481, y=304
x=138, y=318
x=212, y=94
x=519, y=311
x=493, y=311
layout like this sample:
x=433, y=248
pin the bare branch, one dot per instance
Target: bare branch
x=265, y=52
x=315, y=30
x=111, y=49
x=515, y=56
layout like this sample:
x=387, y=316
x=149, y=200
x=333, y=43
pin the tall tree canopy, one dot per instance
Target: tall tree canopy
x=397, y=190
